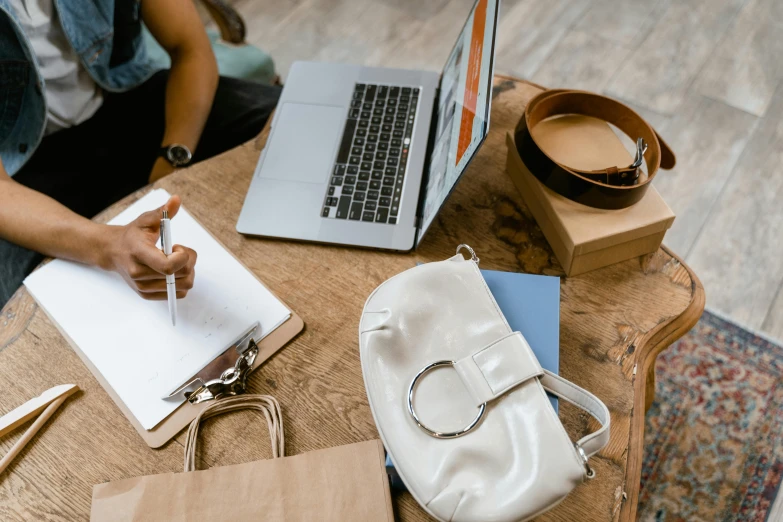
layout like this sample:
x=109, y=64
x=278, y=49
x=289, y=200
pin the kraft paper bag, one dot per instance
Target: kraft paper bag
x=339, y=484
x=342, y=484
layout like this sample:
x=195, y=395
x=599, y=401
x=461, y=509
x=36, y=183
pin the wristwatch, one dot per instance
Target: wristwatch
x=176, y=154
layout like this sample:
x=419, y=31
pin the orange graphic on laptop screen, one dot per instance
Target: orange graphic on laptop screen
x=472, y=80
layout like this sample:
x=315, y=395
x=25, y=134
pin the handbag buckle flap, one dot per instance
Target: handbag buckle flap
x=498, y=367
x=487, y=374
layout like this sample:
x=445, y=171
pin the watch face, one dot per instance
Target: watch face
x=178, y=155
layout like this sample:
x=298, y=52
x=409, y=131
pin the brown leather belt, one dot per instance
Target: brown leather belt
x=610, y=188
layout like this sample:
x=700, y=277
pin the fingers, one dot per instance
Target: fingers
x=152, y=286
x=172, y=205
x=188, y=251
x=161, y=296
x=152, y=218
x=145, y=273
x=150, y=282
x=153, y=258
x=192, y=256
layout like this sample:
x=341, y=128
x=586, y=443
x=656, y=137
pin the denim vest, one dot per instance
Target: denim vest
x=107, y=37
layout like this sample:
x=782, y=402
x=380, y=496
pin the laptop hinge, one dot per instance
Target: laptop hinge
x=427, y=162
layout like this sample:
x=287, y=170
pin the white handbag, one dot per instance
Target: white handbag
x=459, y=399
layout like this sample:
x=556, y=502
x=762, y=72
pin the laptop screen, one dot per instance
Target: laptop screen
x=463, y=109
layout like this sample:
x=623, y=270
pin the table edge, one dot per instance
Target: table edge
x=520, y=80
x=655, y=341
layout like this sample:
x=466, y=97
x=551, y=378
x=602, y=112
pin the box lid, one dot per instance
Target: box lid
x=589, y=143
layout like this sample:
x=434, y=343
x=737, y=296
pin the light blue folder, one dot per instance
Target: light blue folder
x=531, y=305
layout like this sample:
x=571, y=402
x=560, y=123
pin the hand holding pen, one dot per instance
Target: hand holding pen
x=132, y=252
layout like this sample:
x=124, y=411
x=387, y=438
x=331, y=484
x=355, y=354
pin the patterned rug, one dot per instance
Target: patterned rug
x=714, y=435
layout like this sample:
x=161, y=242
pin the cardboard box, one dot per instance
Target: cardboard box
x=585, y=238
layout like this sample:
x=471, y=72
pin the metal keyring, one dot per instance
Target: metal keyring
x=438, y=434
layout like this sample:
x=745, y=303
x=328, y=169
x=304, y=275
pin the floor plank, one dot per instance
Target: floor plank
x=773, y=325
x=776, y=512
x=582, y=60
x=430, y=42
x=530, y=29
x=368, y=33
x=322, y=30
x=708, y=138
x=659, y=72
x=738, y=254
x=625, y=22
x=426, y=10
x=657, y=120
x=746, y=68
x=261, y=18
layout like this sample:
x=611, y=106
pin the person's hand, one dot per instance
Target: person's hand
x=161, y=169
x=132, y=253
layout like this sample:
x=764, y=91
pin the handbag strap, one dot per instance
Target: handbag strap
x=265, y=404
x=583, y=399
x=509, y=361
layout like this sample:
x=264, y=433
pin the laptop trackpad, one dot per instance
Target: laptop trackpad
x=304, y=143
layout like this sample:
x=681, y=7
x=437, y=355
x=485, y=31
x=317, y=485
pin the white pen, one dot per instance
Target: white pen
x=171, y=287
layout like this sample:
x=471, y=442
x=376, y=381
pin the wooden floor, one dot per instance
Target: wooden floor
x=706, y=73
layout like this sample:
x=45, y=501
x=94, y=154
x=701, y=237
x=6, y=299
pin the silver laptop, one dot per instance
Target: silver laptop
x=367, y=156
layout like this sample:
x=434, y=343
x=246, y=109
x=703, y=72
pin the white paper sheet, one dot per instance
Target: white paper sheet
x=131, y=341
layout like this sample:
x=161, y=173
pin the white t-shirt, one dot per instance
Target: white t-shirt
x=71, y=94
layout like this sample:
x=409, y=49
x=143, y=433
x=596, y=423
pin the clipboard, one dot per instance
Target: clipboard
x=169, y=427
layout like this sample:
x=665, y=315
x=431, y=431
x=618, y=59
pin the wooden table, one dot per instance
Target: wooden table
x=614, y=322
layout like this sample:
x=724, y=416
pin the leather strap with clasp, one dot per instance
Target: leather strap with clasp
x=504, y=364
x=509, y=361
x=610, y=188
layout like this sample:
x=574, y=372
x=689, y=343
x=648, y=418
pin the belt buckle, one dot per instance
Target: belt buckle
x=641, y=148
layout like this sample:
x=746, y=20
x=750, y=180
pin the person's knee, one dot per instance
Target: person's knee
x=260, y=100
x=235, y=95
x=239, y=113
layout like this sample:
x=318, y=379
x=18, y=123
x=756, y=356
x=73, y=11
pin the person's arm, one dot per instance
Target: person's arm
x=193, y=78
x=37, y=222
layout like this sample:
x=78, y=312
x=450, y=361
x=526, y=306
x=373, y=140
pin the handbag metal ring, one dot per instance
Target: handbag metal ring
x=473, y=255
x=589, y=472
x=438, y=434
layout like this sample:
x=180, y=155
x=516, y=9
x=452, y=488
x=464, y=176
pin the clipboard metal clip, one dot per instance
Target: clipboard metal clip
x=225, y=376
x=232, y=381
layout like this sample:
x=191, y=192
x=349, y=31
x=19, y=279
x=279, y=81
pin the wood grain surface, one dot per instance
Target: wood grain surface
x=614, y=322
x=673, y=53
x=745, y=69
x=748, y=216
x=713, y=136
x=568, y=64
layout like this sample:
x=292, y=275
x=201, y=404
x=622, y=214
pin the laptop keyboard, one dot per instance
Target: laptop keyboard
x=369, y=172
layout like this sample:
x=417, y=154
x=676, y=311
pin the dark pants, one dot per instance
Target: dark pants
x=92, y=165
